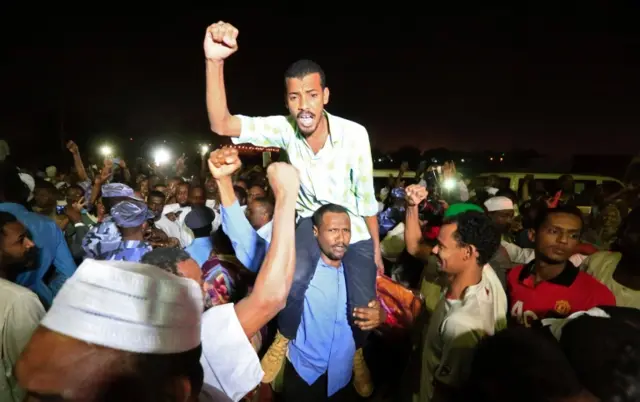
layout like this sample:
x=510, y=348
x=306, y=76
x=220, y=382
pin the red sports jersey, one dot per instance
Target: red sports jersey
x=571, y=291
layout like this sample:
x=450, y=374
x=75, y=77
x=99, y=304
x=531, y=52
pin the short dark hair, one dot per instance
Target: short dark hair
x=605, y=354
x=545, y=213
x=156, y=193
x=12, y=188
x=267, y=203
x=303, y=68
x=333, y=208
x=166, y=259
x=6, y=218
x=478, y=230
x=241, y=193
x=515, y=359
x=76, y=187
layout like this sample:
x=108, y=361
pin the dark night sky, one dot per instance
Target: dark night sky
x=489, y=79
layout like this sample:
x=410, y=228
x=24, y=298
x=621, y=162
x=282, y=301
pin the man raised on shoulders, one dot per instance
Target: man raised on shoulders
x=333, y=157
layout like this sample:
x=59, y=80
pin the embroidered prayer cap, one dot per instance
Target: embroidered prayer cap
x=128, y=306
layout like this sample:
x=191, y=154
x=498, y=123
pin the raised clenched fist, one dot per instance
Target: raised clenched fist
x=72, y=147
x=415, y=194
x=220, y=41
x=284, y=179
x=224, y=162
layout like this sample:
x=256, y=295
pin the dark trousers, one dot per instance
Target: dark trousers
x=296, y=389
x=360, y=276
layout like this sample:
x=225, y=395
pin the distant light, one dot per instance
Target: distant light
x=131, y=139
x=161, y=156
x=106, y=150
x=501, y=159
x=462, y=160
x=491, y=158
x=204, y=149
x=449, y=184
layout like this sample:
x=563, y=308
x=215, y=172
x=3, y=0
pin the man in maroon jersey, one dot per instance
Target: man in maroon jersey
x=550, y=285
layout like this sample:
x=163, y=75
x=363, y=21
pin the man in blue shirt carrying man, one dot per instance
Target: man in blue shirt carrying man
x=321, y=354
x=333, y=157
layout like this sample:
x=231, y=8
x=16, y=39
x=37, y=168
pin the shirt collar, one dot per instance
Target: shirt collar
x=324, y=264
x=265, y=229
x=565, y=278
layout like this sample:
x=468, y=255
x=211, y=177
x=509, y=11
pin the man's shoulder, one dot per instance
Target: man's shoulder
x=463, y=324
x=601, y=259
x=217, y=315
x=514, y=273
x=13, y=295
x=15, y=291
x=586, y=281
x=348, y=126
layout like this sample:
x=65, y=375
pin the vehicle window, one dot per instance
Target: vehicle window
x=611, y=187
x=547, y=186
x=582, y=186
x=585, y=191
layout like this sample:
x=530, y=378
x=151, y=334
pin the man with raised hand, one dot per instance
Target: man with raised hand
x=333, y=157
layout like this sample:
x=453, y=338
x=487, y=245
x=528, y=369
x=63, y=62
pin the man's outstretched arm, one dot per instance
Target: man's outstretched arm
x=274, y=279
x=220, y=42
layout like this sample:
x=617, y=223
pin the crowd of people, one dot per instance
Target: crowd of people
x=303, y=281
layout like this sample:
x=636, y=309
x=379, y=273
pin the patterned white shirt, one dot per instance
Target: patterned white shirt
x=340, y=173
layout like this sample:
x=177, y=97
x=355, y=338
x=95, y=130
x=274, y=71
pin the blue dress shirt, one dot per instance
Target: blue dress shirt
x=324, y=341
x=200, y=249
x=249, y=245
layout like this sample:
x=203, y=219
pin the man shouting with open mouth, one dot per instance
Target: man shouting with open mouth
x=333, y=157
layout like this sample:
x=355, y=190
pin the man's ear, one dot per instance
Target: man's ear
x=472, y=252
x=325, y=95
x=315, y=230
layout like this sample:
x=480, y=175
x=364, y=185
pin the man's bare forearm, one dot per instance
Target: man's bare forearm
x=412, y=232
x=82, y=173
x=220, y=119
x=276, y=274
x=413, y=235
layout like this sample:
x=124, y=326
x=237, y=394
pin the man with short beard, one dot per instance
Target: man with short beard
x=20, y=308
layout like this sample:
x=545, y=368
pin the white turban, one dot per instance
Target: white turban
x=128, y=306
x=498, y=204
